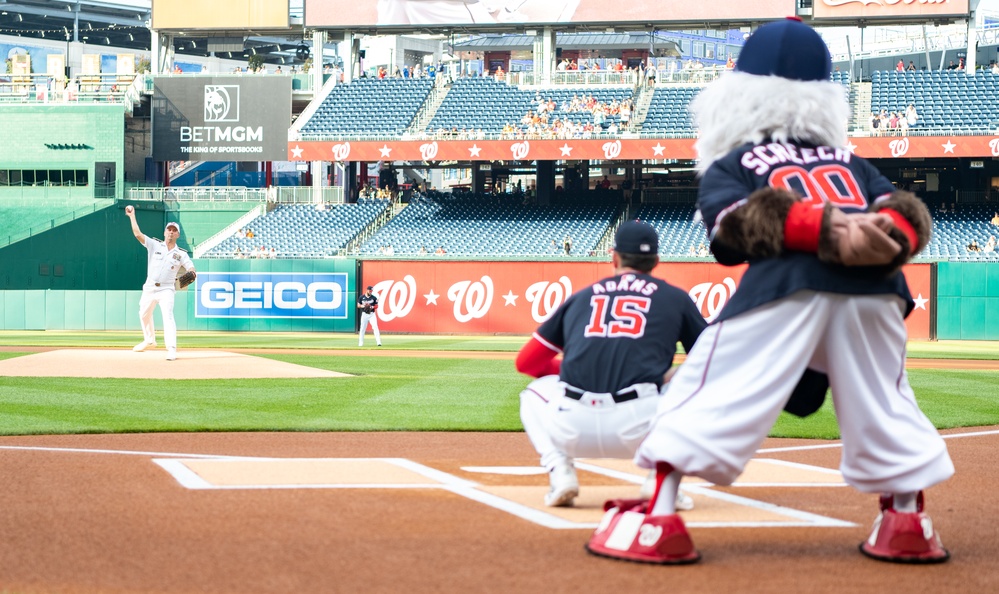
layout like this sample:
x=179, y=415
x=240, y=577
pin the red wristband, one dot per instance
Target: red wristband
x=902, y=224
x=802, y=227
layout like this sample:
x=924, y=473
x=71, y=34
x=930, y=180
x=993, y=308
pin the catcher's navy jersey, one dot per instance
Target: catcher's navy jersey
x=621, y=331
x=817, y=173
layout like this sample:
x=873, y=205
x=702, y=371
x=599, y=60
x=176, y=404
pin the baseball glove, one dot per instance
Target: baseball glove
x=186, y=279
x=368, y=309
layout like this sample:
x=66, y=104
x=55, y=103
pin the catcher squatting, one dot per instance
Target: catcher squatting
x=821, y=305
x=168, y=268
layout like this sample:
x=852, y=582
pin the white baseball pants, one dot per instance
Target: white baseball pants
x=164, y=296
x=595, y=426
x=727, y=395
x=367, y=318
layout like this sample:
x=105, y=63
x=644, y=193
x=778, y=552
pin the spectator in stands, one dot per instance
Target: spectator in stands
x=567, y=244
x=237, y=253
x=995, y=219
x=729, y=65
x=249, y=233
x=952, y=65
x=604, y=184
x=911, y=67
x=241, y=233
x=900, y=67
x=875, y=123
x=910, y=115
x=973, y=246
x=440, y=251
x=990, y=246
x=650, y=75
x=702, y=251
x=692, y=251
x=995, y=67
x=554, y=247
x=273, y=254
x=389, y=250
x=423, y=250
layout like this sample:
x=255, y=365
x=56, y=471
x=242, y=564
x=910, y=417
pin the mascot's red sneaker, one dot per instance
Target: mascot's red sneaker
x=627, y=533
x=904, y=537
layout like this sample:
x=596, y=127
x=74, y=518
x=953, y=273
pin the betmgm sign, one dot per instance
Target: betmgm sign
x=271, y=295
x=221, y=118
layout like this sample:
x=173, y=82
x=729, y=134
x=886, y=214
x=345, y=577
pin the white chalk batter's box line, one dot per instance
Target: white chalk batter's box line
x=190, y=479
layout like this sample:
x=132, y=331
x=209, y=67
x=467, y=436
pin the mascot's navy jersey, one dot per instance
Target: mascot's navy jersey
x=817, y=173
x=621, y=331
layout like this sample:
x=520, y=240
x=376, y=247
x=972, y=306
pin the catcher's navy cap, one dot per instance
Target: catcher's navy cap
x=788, y=49
x=636, y=237
x=174, y=225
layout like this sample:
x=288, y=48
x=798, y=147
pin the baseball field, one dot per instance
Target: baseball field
x=299, y=463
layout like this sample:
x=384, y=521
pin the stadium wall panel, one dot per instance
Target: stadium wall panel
x=968, y=301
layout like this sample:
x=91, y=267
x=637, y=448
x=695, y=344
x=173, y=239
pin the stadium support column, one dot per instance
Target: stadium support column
x=544, y=56
x=161, y=52
x=545, y=182
x=969, y=61
x=478, y=178
x=318, y=51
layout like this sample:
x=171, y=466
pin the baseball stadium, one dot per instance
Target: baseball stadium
x=380, y=206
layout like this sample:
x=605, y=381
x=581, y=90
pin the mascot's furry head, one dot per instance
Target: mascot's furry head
x=780, y=89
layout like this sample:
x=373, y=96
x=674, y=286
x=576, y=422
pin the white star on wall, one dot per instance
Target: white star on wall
x=850, y=146
x=566, y=149
x=920, y=302
x=474, y=151
x=431, y=297
x=949, y=147
x=385, y=150
x=658, y=149
x=296, y=153
x=510, y=299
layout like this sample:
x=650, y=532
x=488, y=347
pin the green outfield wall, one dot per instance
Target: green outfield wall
x=56, y=309
x=97, y=251
x=967, y=301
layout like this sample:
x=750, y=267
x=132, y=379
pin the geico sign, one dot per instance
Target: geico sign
x=271, y=295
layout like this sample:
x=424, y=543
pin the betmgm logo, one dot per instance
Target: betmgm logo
x=221, y=103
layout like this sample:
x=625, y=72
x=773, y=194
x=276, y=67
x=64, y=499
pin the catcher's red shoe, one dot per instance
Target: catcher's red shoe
x=627, y=533
x=902, y=537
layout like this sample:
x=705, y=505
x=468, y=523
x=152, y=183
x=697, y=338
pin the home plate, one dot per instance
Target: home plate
x=152, y=364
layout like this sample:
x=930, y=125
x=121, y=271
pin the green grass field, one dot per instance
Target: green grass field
x=388, y=393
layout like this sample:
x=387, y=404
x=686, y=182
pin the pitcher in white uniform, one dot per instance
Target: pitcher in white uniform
x=165, y=262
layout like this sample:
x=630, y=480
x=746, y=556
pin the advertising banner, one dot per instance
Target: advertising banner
x=515, y=297
x=485, y=13
x=221, y=118
x=220, y=14
x=271, y=295
x=895, y=10
x=614, y=149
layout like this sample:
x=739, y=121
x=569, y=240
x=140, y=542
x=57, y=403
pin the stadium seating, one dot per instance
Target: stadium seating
x=944, y=99
x=370, y=106
x=302, y=231
x=680, y=236
x=482, y=103
x=490, y=226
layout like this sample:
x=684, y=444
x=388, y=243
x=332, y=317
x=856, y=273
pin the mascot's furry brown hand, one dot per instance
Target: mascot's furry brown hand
x=822, y=303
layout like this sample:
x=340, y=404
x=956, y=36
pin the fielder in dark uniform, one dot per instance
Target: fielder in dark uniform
x=368, y=304
x=825, y=236
x=618, y=338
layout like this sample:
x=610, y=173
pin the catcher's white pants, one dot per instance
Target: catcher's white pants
x=432, y=12
x=371, y=318
x=727, y=395
x=595, y=426
x=164, y=296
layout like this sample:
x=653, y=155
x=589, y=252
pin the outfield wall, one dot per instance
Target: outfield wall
x=967, y=297
x=442, y=297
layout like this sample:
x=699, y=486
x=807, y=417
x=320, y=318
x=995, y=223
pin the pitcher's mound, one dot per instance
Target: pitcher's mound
x=153, y=365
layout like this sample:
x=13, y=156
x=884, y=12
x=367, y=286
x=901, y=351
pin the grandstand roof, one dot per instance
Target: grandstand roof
x=570, y=41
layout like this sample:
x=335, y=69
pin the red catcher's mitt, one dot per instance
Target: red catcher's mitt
x=186, y=279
